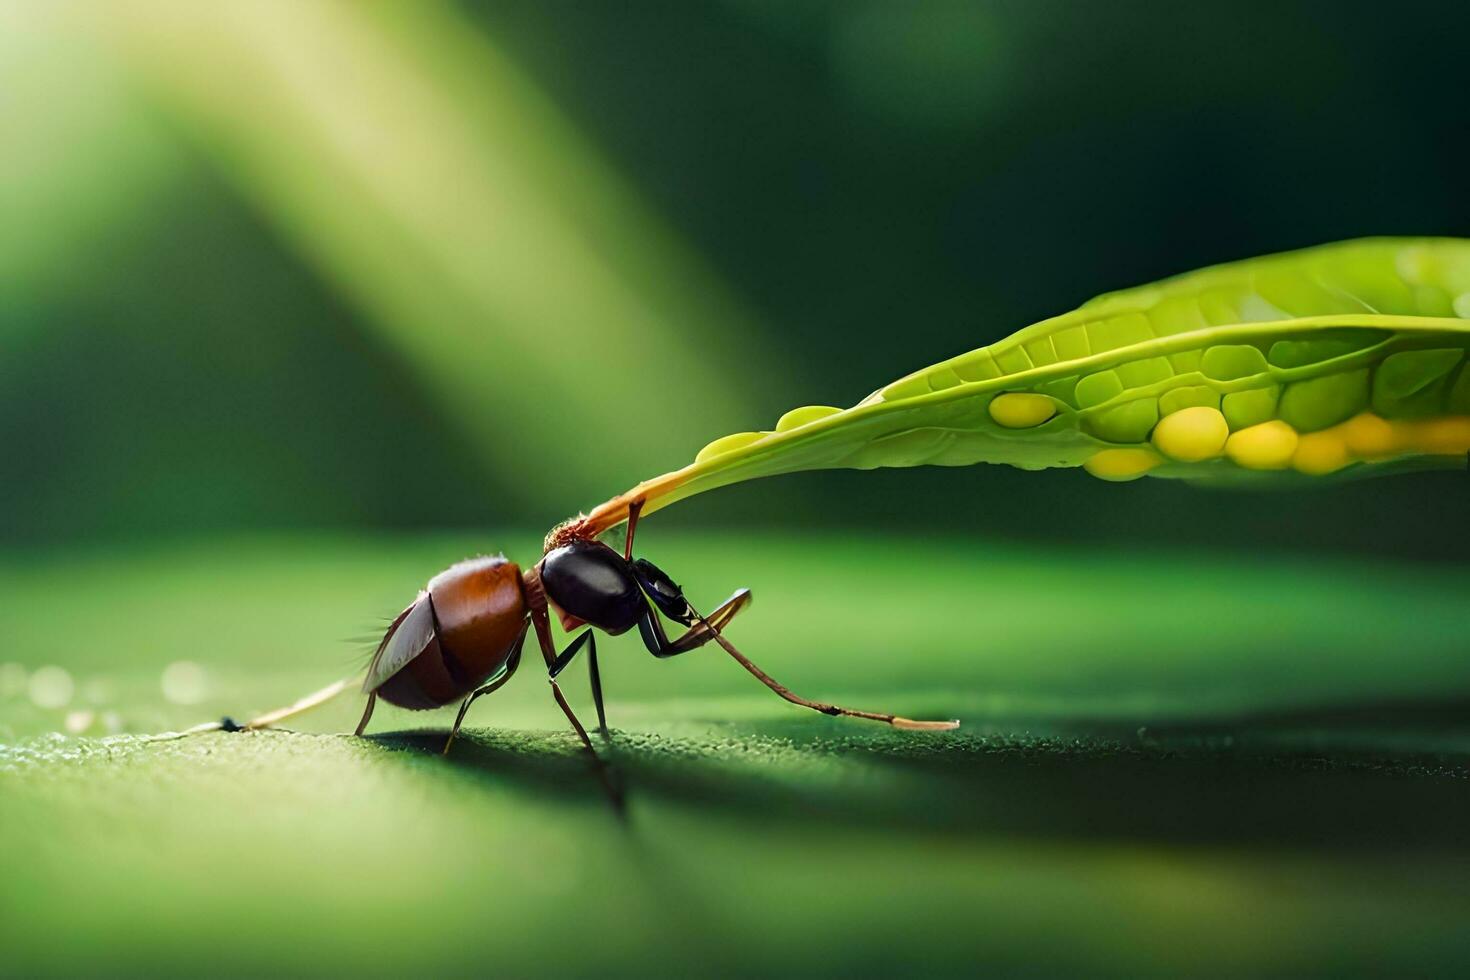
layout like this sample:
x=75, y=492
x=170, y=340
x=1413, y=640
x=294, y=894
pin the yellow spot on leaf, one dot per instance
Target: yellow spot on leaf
x=1369, y=437
x=1268, y=446
x=1320, y=453
x=1119, y=465
x=1020, y=410
x=1446, y=436
x=1192, y=435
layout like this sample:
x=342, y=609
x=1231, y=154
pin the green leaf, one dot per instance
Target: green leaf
x=1296, y=336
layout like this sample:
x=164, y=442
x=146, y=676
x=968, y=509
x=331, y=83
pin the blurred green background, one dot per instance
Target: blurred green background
x=301, y=302
x=434, y=265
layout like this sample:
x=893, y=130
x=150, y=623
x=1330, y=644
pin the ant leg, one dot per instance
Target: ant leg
x=897, y=721
x=594, y=677
x=696, y=636
x=563, y=659
x=492, y=687
x=604, y=770
x=554, y=664
x=367, y=713
x=634, y=509
x=575, y=647
x=542, y=622
x=576, y=724
x=704, y=630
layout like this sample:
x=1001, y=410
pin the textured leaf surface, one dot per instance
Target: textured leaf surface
x=1169, y=765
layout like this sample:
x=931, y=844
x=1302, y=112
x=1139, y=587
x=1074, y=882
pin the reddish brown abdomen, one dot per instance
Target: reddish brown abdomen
x=479, y=615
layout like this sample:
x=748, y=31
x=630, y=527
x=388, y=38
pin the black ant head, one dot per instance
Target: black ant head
x=591, y=583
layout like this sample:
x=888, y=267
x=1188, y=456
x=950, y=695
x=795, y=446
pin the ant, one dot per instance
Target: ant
x=462, y=637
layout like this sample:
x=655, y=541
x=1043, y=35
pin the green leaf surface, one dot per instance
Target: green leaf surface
x=1169, y=763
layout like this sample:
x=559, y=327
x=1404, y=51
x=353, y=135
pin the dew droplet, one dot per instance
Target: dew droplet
x=51, y=687
x=184, y=682
x=78, y=721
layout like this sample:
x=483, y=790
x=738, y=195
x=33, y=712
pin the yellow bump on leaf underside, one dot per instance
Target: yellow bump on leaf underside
x=1268, y=446
x=798, y=417
x=1021, y=410
x=1367, y=437
x=1119, y=465
x=1192, y=435
x=1320, y=453
x=1446, y=436
x=728, y=444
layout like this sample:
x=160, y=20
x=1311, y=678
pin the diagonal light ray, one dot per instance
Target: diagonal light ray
x=523, y=282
